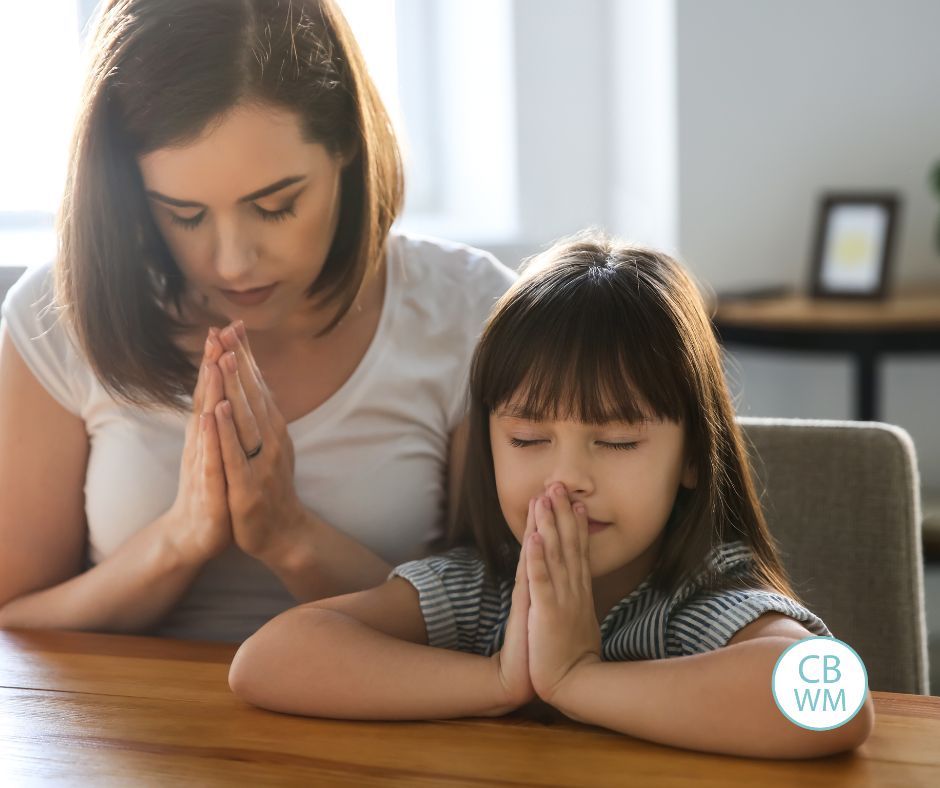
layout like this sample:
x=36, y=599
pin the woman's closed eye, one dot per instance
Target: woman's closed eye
x=276, y=216
x=187, y=222
x=279, y=215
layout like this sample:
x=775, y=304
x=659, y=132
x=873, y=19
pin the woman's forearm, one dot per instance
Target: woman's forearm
x=322, y=663
x=129, y=591
x=314, y=560
x=716, y=702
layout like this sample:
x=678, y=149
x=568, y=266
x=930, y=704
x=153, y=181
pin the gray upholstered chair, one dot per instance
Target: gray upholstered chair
x=842, y=500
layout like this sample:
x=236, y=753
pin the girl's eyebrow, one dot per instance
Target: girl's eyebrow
x=255, y=195
x=513, y=411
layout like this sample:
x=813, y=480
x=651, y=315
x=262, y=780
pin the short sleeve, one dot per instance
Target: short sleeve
x=460, y=605
x=707, y=621
x=39, y=333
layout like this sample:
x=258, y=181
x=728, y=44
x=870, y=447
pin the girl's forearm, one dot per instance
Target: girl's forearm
x=322, y=663
x=129, y=591
x=316, y=560
x=716, y=702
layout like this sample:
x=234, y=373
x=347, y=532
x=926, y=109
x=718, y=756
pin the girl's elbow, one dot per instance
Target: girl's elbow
x=250, y=676
x=843, y=739
x=245, y=674
x=860, y=727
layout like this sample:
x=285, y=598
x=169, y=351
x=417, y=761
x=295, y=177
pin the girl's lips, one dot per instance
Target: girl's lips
x=595, y=525
x=252, y=297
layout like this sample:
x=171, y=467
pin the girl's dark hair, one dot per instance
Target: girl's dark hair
x=161, y=71
x=596, y=331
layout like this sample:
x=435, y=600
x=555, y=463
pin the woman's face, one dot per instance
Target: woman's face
x=249, y=210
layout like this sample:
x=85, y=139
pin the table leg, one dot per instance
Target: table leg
x=866, y=386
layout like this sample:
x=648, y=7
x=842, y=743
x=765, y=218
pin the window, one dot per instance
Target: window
x=34, y=136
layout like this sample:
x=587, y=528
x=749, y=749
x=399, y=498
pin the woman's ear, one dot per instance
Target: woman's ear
x=348, y=155
x=689, y=475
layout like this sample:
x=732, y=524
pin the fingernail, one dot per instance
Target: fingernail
x=579, y=508
x=230, y=364
x=208, y=347
x=229, y=335
x=240, y=328
x=226, y=408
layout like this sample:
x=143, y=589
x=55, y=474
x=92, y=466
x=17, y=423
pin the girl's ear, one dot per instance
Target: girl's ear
x=689, y=475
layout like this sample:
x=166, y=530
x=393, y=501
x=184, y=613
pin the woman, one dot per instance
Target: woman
x=235, y=388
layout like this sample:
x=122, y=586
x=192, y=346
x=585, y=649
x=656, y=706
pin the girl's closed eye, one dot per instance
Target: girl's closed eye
x=521, y=443
x=619, y=445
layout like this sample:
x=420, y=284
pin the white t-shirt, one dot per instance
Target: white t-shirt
x=371, y=460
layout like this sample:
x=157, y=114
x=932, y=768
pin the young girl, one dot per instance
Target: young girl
x=610, y=557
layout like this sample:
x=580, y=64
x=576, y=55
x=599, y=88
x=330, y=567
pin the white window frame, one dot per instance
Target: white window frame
x=457, y=91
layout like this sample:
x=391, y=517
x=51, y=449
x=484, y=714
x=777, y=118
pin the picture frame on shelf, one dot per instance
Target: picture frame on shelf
x=854, y=244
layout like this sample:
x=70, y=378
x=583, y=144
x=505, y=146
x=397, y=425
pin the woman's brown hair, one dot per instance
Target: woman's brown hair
x=597, y=331
x=160, y=72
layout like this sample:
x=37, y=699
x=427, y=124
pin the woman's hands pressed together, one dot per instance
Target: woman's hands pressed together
x=563, y=632
x=257, y=452
x=198, y=522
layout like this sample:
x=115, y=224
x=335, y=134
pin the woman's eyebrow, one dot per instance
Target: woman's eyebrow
x=256, y=195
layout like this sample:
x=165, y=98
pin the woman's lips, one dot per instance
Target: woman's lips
x=595, y=525
x=253, y=297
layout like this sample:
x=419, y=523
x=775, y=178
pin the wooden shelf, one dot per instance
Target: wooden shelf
x=915, y=307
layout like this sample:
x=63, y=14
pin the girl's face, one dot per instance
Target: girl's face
x=248, y=210
x=627, y=475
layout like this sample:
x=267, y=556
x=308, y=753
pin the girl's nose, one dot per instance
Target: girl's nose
x=574, y=474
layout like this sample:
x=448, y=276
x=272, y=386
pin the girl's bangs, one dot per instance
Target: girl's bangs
x=574, y=352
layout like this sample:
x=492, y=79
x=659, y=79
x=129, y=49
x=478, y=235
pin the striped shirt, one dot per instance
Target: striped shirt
x=465, y=610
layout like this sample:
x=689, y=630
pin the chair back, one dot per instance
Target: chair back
x=842, y=501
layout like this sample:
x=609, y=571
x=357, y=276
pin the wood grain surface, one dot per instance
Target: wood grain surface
x=86, y=709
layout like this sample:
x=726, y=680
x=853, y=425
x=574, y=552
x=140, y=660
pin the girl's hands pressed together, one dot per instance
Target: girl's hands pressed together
x=513, y=659
x=257, y=453
x=198, y=521
x=563, y=628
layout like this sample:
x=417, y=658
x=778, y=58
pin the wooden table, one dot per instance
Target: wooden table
x=81, y=709
x=907, y=322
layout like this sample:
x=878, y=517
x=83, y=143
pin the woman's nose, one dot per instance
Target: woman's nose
x=235, y=254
